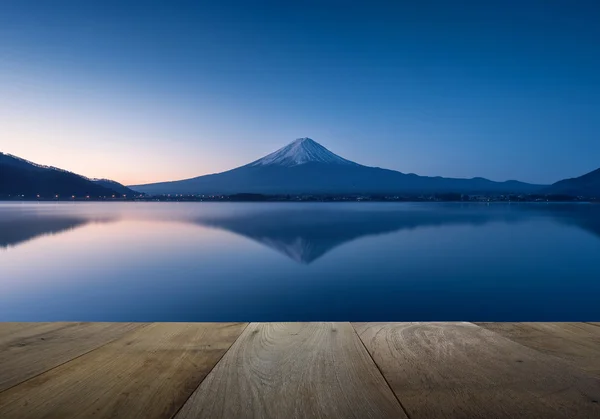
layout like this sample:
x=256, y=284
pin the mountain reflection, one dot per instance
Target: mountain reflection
x=584, y=216
x=22, y=229
x=305, y=236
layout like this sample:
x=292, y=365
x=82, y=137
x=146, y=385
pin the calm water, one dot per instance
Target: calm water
x=266, y=262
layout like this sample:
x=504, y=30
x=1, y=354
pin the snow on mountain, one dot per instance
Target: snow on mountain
x=301, y=151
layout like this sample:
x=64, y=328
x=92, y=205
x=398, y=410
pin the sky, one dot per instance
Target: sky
x=151, y=91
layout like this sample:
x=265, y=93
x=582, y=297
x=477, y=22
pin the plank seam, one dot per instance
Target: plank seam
x=141, y=326
x=380, y=372
x=208, y=373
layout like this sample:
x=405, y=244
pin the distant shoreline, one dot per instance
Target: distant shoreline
x=509, y=198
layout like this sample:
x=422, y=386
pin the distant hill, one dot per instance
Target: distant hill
x=115, y=186
x=587, y=186
x=306, y=167
x=22, y=177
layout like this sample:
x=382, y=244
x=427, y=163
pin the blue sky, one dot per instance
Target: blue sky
x=148, y=91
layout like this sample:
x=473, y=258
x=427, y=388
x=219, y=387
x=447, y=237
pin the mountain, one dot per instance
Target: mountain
x=587, y=186
x=22, y=177
x=115, y=186
x=306, y=167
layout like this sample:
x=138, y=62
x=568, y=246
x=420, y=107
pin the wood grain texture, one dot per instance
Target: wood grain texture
x=460, y=370
x=577, y=343
x=294, y=370
x=29, y=349
x=148, y=373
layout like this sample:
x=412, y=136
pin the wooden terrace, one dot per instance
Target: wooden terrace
x=299, y=370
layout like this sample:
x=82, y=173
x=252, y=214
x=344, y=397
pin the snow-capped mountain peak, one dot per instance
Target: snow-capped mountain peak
x=301, y=151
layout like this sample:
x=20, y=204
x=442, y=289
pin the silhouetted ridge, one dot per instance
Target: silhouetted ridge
x=587, y=185
x=22, y=177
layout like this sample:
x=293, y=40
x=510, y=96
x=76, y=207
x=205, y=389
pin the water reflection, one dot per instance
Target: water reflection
x=584, y=216
x=358, y=262
x=23, y=228
x=307, y=235
x=304, y=234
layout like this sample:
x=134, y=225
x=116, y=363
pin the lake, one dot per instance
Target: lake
x=306, y=261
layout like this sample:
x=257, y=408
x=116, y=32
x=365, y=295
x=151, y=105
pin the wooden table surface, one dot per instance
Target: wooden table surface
x=300, y=370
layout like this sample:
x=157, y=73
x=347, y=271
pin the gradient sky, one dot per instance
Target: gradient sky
x=149, y=91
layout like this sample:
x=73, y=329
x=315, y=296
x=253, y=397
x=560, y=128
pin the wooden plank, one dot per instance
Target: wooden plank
x=577, y=343
x=149, y=373
x=460, y=370
x=29, y=349
x=8, y=328
x=294, y=370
